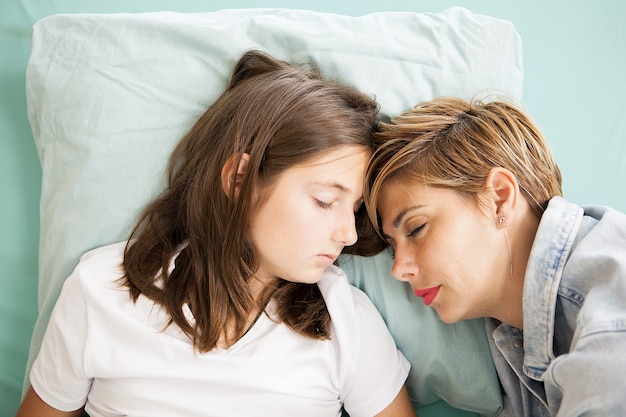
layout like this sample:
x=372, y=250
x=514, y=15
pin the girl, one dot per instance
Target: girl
x=468, y=197
x=224, y=301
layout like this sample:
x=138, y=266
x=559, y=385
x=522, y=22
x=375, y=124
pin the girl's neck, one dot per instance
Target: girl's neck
x=229, y=336
x=261, y=293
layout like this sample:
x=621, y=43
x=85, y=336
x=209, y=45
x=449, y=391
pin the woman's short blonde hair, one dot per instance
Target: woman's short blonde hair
x=451, y=143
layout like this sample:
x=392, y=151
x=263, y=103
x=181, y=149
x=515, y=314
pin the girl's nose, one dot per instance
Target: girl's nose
x=345, y=232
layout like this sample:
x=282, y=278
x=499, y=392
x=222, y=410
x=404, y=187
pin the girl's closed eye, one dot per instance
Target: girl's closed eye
x=324, y=205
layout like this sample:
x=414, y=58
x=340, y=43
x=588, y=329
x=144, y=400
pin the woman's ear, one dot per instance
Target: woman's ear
x=503, y=189
x=233, y=172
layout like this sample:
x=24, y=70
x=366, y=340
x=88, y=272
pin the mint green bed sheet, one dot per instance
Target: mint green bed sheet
x=575, y=86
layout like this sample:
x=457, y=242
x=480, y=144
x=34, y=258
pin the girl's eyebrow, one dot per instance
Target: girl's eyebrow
x=333, y=184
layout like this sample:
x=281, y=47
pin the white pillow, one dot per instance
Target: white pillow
x=109, y=95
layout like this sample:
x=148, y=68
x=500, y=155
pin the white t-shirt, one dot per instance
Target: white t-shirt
x=119, y=358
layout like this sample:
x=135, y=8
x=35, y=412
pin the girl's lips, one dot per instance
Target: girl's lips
x=327, y=259
x=428, y=295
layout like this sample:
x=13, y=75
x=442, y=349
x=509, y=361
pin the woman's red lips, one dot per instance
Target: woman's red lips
x=428, y=295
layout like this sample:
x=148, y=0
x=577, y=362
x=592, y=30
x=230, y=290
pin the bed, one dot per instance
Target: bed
x=75, y=133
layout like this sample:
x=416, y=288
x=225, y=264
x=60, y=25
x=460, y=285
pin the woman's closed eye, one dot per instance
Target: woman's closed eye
x=415, y=231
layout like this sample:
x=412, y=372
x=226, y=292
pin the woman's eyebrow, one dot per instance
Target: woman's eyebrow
x=398, y=219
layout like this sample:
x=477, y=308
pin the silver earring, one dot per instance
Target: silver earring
x=508, y=244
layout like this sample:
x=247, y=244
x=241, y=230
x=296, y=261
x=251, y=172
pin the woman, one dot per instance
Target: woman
x=224, y=301
x=468, y=196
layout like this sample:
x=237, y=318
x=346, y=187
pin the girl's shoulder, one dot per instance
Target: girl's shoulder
x=100, y=269
x=334, y=286
x=103, y=253
x=345, y=302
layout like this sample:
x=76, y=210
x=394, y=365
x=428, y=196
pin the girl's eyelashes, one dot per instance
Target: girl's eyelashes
x=324, y=205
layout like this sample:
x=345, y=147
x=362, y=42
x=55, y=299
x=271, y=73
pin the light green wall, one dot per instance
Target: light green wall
x=575, y=87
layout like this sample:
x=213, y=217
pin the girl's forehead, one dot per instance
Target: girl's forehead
x=341, y=169
x=338, y=154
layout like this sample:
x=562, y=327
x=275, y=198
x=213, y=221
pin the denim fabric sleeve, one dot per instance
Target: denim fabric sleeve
x=591, y=377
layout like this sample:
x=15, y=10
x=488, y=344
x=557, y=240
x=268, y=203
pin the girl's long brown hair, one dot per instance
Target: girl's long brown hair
x=281, y=115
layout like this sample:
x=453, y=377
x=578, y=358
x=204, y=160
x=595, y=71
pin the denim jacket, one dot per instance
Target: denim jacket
x=570, y=360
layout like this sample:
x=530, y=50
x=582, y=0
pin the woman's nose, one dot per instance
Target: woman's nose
x=404, y=267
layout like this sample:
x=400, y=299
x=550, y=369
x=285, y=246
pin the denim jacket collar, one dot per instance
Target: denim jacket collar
x=541, y=283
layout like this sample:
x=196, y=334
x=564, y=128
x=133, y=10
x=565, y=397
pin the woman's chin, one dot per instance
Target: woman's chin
x=448, y=317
